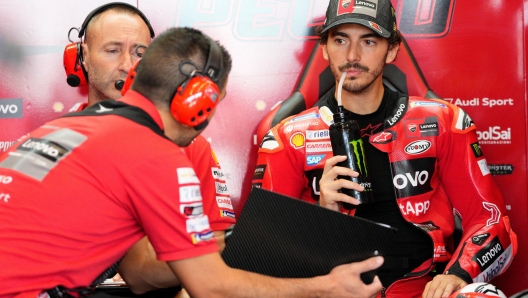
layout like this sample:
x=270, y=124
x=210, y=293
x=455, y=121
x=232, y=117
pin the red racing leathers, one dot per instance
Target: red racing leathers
x=437, y=168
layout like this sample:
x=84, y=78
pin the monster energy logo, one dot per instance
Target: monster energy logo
x=359, y=151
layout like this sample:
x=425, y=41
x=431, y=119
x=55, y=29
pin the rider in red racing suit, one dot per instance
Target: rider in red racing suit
x=437, y=168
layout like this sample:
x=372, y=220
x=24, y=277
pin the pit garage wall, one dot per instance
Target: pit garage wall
x=472, y=53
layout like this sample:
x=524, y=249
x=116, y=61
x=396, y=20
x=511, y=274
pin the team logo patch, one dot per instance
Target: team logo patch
x=259, y=172
x=475, y=147
x=297, y=140
x=480, y=239
x=417, y=147
x=190, y=210
x=375, y=27
x=411, y=127
x=382, y=137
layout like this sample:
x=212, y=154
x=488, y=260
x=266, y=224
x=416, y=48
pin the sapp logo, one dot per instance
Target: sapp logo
x=312, y=160
x=11, y=108
x=417, y=147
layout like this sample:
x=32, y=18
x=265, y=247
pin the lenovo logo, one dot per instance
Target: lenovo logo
x=11, y=108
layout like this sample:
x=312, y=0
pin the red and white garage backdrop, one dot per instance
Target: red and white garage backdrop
x=472, y=53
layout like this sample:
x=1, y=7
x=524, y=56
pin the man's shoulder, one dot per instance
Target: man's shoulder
x=313, y=118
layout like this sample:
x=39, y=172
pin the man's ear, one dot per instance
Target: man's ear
x=325, y=51
x=393, y=52
x=85, y=52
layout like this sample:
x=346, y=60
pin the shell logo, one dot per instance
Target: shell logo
x=297, y=140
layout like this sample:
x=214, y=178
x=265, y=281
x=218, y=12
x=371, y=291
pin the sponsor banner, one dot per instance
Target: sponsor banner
x=497, y=266
x=221, y=188
x=314, y=135
x=413, y=177
x=414, y=208
x=186, y=175
x=259, y=172
x=359, y=6
x=304, y=117
x=485, y=102
x=427, y=104
x=190, y=193
x=397, y=115
x=502, y=169
x=5, y=197
x=312, y=160
x=224, y=202
x=4, y=145
x=197, y=224
x=495, y=135
x=191, y=210
x=318, y=146
x=290, y=128
x=11, y=108
x=417, y=147
x=36, y=157
x=5, y=179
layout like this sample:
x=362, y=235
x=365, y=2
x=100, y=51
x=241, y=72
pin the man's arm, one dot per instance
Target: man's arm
x=142, y=272
x=209, y=276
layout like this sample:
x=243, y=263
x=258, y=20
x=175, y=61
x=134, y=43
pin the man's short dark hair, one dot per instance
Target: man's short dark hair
x=159, y=75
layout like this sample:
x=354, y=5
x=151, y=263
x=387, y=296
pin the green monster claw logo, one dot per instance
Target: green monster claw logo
x=360, y=155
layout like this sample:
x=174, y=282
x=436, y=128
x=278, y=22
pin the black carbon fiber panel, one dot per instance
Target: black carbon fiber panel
x=284, y=237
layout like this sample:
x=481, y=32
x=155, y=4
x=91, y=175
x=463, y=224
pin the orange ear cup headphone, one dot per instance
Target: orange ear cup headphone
x=76, y=75
x=196, y=98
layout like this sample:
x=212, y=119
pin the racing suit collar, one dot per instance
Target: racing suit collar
x=136, y=99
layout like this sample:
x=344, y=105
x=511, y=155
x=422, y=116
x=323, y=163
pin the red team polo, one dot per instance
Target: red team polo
x=78, y=192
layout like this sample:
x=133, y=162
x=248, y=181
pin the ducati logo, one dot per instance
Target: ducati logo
x=412, y=127
x=345, y=3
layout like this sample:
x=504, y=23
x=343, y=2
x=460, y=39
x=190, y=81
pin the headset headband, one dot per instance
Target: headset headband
x=213, y=66
x=104, y=7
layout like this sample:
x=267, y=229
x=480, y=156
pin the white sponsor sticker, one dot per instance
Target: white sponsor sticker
x=318, y=146
x=221, y=188
x=186, y=175
x=190, y=193
x=224, y=202
x=317, y=134
x=217, y=173
x=483, y=165
x=197, y=224
x=193, y=209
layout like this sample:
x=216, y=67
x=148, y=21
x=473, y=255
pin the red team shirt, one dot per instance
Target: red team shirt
x=78, y=192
